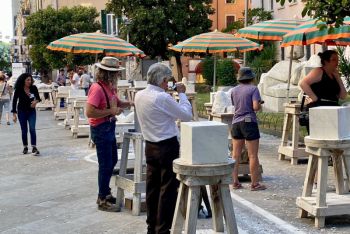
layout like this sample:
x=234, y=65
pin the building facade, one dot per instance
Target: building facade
x=22, y=9
x=57, y=4
x=19, y=49
x=226, y=12
x=290, y=10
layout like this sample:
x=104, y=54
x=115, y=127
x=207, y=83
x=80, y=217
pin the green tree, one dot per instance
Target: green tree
x=344, y=64
x=157, y=23
x=208, y=71
x=5, y=63
x=330, y=11
x=48, y=25
x=262, y=61
x=226, y=72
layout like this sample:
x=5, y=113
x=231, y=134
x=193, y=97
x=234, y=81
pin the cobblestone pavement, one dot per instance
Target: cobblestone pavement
x=56, y=192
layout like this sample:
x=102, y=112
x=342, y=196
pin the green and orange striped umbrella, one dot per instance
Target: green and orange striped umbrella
x=310, y=33
x=95, y=43
x=215, y=42
x=270, y=30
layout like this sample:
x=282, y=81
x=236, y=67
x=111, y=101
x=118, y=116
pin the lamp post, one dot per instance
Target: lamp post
x=127, y=22
x=245, y=25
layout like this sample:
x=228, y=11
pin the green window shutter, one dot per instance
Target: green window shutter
x=103, y=21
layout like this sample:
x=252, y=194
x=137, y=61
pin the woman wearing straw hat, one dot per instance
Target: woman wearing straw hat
x=246, y=99
x=102, y=106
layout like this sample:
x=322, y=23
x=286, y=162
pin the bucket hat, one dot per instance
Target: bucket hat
x=110, y=64
x=245, y=73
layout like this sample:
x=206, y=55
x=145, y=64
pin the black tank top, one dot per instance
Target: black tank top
x=327, y=88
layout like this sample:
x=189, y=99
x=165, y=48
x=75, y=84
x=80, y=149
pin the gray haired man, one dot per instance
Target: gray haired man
x=157, y=112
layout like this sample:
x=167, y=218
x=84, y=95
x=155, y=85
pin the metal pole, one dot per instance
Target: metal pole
x=290, y=71
x=128, y=59
x=116, y=27
x=214, y=75
x=245, y=25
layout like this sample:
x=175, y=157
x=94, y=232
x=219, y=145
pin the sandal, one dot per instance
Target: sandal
x=257, y=187
x=237, y=186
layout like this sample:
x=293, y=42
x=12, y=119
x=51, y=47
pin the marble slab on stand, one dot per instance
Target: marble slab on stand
x=330, y=122
x=204, y=142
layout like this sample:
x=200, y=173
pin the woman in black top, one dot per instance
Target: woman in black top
x=27, y=96
x=323, y=85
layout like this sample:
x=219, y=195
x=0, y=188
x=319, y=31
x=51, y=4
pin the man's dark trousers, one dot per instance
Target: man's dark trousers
x=161, y=184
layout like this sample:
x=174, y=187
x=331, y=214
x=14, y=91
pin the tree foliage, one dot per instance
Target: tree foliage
x=5, y=63
x=329, y=11
x=226, y=72
x=257, y=15
x=157, y=23
x=208, y=71
x=344, y=64
x=48, y=25
x=262, y=61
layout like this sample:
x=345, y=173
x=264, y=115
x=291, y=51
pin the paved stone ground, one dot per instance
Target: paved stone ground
x=56, y=192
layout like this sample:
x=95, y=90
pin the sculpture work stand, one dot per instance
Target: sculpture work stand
x=320, y=203
x=80, y=126
x=60, y=112
x=45, y=103
x=192, y=177
x=291, y=122
x=134, y=183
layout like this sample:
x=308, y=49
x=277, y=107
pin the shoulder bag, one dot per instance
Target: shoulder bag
x=304, y=113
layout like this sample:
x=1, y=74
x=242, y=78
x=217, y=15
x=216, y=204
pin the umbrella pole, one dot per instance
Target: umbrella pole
x=290, y=71
x=96, y=57
x=214, y=76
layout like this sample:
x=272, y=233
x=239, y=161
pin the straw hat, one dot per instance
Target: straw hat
x=110, y=64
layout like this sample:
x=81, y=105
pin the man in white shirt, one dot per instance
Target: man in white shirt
x=157, y=112
x=85, y=82
x=75, y=84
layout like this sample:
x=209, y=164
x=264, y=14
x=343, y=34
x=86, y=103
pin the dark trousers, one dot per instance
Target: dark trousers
x=103, y=135
x=86, y=90
x=26, y=118
x=161, y=184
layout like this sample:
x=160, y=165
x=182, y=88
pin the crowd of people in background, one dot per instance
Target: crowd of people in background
x=77, y=80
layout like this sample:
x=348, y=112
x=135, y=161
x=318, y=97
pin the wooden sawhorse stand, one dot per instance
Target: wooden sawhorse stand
x=80, y=126
x=291, y=122
x=62, y=92
x=321, y=203
x=45, y=103
x=192, y=177
x=134, y=183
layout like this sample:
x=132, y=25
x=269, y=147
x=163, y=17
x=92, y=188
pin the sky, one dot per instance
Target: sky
x=6, y=18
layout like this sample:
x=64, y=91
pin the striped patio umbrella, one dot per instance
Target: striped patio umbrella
x=215, y=42
x=95, y=43
x=270, y=30
x=309, y=33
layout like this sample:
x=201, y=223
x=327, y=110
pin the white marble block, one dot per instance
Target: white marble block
x=204, y=142
x=330, y=122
